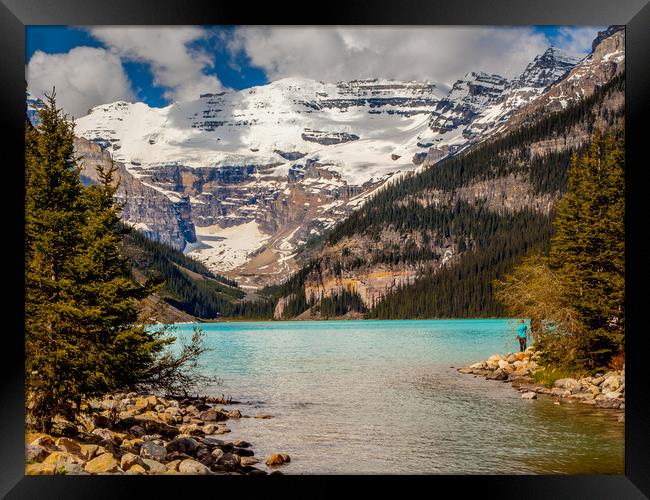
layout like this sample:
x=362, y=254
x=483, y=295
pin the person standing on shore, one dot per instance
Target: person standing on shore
x=522, y=335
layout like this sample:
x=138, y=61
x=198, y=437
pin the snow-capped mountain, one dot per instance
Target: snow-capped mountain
x=247, y=176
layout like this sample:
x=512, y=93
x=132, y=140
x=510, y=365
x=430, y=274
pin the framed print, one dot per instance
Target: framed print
x=403, y=242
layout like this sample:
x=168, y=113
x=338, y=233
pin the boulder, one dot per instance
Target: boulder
x=153, y=425
x=562, y=393
x=243, y=452
x=191, y=430
x=278, y=459
x=154, y=451
x=40, y=469
x=217, y=453
x=511, y=358
x=612, y=382
x=35, y=453
x=60, y=458
x=212, y=415
x=141, y=404
x=263, y=415
x=234, y=414
x=173, y=465
x=137, y=431
x=518, y=374
x=191, y=466
x=68, y=445
x=192, y=410
x=495, y=358
x=155, y=467
x=128, y=460
x=201, y=451
x=569, y=384
x=239, y=443
x=102, y=464
x=136, y=469
x=183, y=445
x=228, y=462
x=41, y=440
x=529, y=395
x=497, y=374
x=247, y=461
x=89, y=451
x=210, y=428
x=613, y=395
x=107, y=435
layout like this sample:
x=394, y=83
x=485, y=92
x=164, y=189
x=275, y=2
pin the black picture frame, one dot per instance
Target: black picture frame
x=634, y=14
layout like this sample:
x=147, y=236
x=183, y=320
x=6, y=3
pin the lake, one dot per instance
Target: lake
x=385, y=397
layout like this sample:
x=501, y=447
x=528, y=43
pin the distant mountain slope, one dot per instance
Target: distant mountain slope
x=430, y=244
x=249, y=176
x=188, y=285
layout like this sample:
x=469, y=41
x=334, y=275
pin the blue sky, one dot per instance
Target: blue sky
x=157, y=65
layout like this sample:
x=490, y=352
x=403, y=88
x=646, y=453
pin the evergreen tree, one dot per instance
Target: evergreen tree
x=580, y=286
x=588, y=249
x=80, y=304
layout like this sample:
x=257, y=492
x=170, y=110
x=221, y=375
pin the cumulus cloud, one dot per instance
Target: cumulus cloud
x=176, y=63
x=440, y=54
x=576, y=41
x=83, y=77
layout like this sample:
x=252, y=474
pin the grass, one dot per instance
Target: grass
x=548, y=376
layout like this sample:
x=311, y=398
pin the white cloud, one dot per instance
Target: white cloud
x=439, y=54
x=576, y=41
x=83, y=77
x=175, y=65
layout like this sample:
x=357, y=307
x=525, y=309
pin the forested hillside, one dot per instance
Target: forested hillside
x=438, y=239
x=187, y=284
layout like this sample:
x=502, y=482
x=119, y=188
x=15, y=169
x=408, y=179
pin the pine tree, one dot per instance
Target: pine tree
x=80, y=304
x=588, y=249
x=580, y=286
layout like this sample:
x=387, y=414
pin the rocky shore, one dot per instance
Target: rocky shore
x=605, y=390
x=145, y=434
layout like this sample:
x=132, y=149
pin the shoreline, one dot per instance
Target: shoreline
x=199, y=322
x=143, y=433
x=603, y=391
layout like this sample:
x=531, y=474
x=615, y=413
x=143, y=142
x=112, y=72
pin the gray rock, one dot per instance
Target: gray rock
x=153, y=451
x=243, y=452
x=562, y=393
x=229, y=462
x=498, y=374
x=183, y=445
x=35, y=452
x=212, y=415
x=190, y=466
x=569, y=384
x=154, y=466
x=247, y=461
x=137, y=431
x=529, y=395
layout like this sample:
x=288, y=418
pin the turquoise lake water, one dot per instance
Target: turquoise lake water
x=385, y=397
